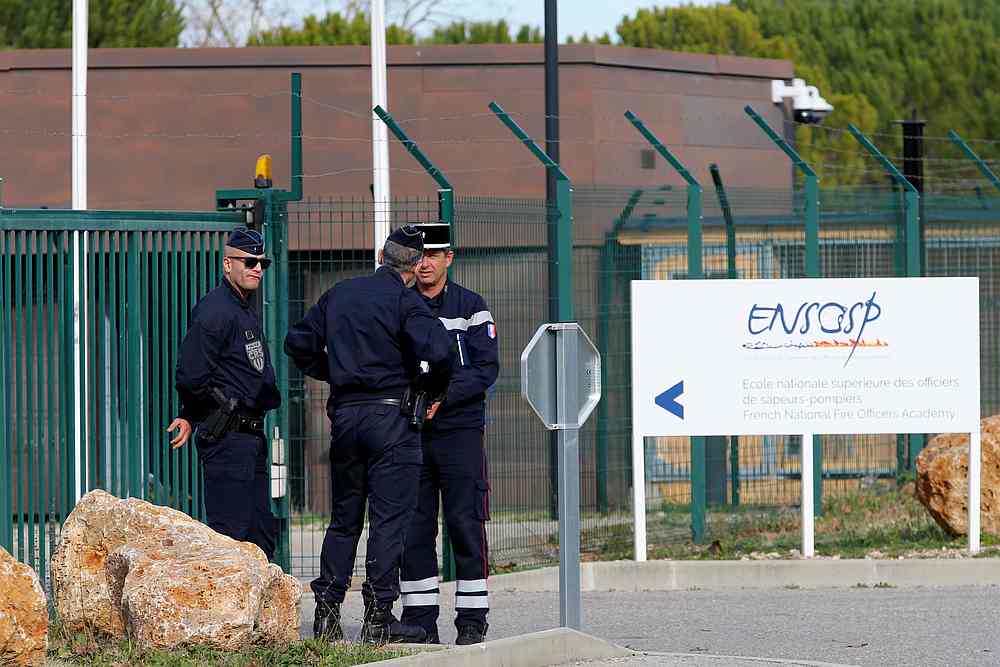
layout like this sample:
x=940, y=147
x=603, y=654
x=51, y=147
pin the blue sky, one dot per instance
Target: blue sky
x=575, y=16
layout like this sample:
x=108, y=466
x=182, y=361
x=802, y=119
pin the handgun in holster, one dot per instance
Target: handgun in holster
x=424, y=391
x=221, y=421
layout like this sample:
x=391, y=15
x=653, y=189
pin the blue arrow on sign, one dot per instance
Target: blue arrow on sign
x=668, y=400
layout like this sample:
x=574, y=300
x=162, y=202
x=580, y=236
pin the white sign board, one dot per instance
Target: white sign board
x=810, y=356
x=879, y=355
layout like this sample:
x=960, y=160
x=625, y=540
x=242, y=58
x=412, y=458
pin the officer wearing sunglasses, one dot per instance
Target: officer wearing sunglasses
x=224, y=363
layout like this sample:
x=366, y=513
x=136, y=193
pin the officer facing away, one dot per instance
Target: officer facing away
x=454, y=455
x=365, y=337
x=226, y=384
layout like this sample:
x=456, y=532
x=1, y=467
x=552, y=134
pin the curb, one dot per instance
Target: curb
x=672, y=575
x=548, y=647
x=686, y=658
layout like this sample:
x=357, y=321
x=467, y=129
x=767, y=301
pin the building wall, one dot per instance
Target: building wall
x=167, y=127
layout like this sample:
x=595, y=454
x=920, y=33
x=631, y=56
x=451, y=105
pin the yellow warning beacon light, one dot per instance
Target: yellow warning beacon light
x=262, y=173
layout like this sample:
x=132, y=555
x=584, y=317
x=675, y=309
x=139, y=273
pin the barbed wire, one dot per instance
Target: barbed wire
x=406, y=170
x=367, y=116
x=895, y=137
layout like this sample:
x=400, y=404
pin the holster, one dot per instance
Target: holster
x=414, y=406
x=220, y=422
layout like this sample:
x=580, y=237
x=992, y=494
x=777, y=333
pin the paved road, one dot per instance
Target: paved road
x=929, y=627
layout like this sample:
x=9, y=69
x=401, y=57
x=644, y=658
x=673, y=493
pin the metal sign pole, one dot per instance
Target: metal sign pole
x=561, y=380
x=567, y=392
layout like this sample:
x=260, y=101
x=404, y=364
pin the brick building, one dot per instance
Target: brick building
x=167, y=127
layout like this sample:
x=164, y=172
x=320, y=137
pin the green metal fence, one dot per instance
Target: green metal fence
x=139, y=274
x=620, y=234
x=86, y=399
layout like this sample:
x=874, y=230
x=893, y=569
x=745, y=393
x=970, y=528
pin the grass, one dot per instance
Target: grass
x=82, y=648
x=882, y=521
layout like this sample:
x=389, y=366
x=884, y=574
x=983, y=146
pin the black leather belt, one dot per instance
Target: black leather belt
x=252, y=425
x=368, y=401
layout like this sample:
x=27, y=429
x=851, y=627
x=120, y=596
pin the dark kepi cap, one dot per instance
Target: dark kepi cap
x=437, y=235
x=247, y=240
x=408, y=236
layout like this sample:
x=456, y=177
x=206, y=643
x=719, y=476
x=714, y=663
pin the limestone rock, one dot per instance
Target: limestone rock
x=130, y=567
x=278, y=620
x=943, y=479
x=98, y=525
x=24, y=616
x=176, y=595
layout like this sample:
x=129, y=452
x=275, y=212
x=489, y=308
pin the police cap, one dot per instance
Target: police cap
x=437, y=235
x=247, y=240
x=408, y=236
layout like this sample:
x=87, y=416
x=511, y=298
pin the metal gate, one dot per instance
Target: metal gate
x=93, y=306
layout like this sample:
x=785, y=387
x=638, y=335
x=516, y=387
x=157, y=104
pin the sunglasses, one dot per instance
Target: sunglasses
x=252, y=262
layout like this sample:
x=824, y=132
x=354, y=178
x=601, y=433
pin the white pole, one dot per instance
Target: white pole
x=380, y=135
x=638, y=456
x=975, y=482
x=80, y=8
x=639, y=493
x=808, y=535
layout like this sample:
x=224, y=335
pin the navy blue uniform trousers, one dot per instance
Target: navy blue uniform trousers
x=375, y=455
x=454, y=467
x=237, y=489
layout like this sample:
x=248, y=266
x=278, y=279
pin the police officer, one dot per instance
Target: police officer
x=454, y=455
x=224, y=362
x=365, y=336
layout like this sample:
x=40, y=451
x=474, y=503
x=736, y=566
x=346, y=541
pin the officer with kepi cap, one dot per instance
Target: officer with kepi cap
x=366, y=337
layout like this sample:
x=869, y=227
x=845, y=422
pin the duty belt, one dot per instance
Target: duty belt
x=249, y=424
x=368, y=401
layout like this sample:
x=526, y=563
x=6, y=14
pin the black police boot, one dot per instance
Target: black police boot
x=471, y=634
x=383, y=628
x=326, y=622
x=368, y=596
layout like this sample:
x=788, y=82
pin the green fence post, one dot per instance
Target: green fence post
x=274, y=306
x=603, y=334
x=560, y=259
x=446, y=213
x=694, y=251
x=812, y=264
x=562, y=263
x=812, y=192
x=603, y=299
x=911, y=204
x=971, y=154
x=731, y=274
x=276, y=285
x=296, y=156
x=6, y=509
x=727, y=214
x=274, y=208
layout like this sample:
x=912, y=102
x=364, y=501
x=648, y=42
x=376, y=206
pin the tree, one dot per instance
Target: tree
x=482, y=32
x=875, y=61
x=587, y=39
x=228, y=22
x=333, y=29
x=410, y=15
x=48, y=24
x=336, y=28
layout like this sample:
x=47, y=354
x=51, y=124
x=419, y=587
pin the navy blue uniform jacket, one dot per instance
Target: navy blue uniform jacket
x=365, y=336
x=476, y=360
x=225, y=348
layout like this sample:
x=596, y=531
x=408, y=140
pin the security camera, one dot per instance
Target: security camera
x=807, y=104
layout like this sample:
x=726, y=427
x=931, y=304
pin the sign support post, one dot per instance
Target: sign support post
x=561, y=380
